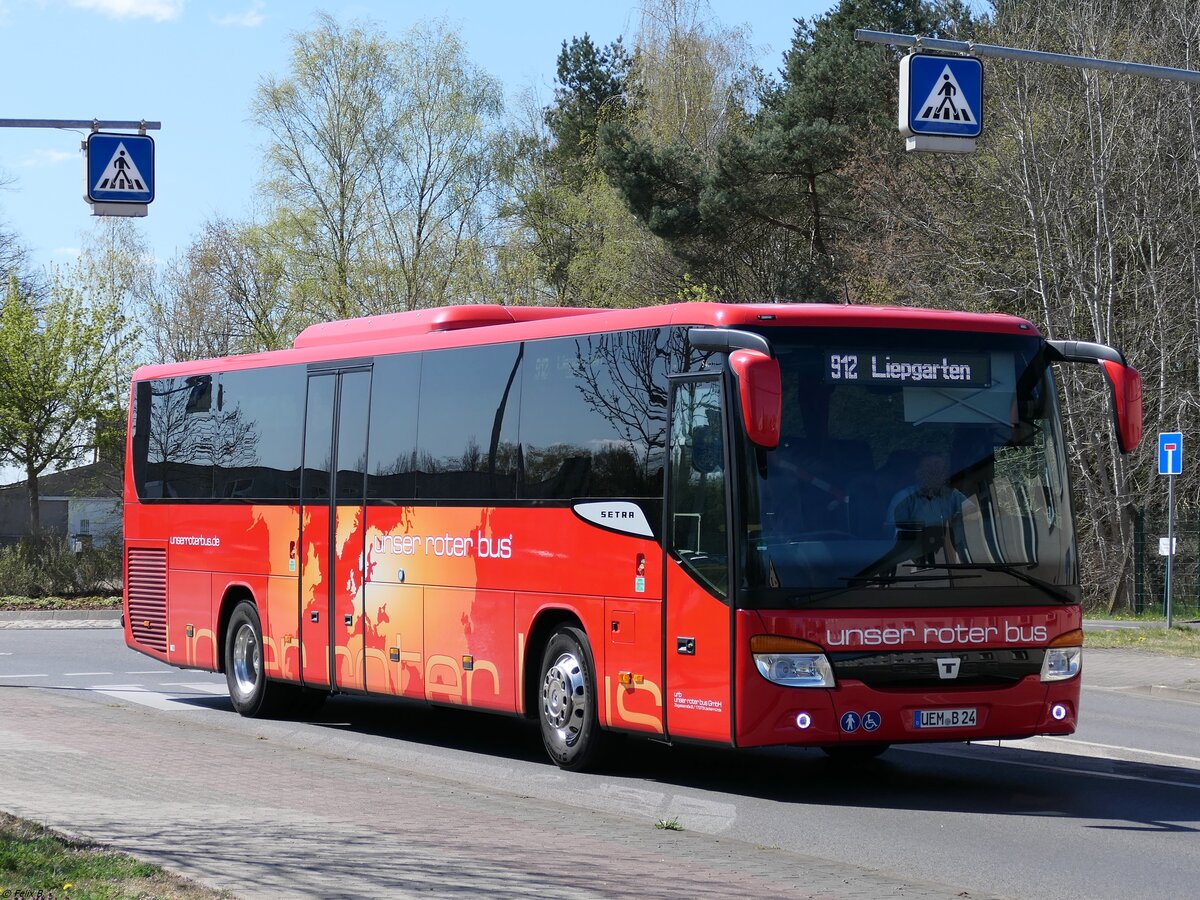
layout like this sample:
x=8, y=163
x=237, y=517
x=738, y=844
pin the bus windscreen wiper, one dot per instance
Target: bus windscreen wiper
x=1060, y=594
x=860, y=580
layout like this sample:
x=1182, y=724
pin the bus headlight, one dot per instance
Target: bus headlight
x=791, y=661
x=1063, y=657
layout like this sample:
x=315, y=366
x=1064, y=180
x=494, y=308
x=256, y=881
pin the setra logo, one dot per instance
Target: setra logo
x=948, y=668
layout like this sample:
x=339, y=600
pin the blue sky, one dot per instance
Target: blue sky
x=194, y=65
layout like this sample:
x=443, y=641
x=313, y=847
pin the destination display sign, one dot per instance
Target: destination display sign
x=902, y=368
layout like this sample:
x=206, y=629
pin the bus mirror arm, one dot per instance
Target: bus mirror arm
x=1124, y=382
x=759, y=382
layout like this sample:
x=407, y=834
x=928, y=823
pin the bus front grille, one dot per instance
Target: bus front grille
x=923, y=670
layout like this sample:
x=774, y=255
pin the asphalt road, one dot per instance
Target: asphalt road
x=102, y=740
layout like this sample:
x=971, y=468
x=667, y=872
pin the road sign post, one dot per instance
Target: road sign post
x=1170, y=463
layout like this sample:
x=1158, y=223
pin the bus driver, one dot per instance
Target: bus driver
x=922, y=512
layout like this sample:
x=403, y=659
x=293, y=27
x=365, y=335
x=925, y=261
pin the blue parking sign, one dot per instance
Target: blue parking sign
x=1170, y=453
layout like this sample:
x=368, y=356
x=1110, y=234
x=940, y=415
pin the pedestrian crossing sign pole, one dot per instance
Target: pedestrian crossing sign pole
x=119, y=173
x=941, y=102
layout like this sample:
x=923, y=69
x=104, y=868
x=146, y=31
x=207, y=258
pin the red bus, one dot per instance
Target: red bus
x=745, y=525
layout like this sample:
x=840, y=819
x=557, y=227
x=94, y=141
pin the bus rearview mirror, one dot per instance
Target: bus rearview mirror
x=1125, y=383
x=760, y=389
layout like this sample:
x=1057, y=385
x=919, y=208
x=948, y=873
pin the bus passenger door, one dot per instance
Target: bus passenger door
x=331, y=528
x=698, y=694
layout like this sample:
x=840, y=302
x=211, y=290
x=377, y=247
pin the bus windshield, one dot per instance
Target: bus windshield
x=915, y=469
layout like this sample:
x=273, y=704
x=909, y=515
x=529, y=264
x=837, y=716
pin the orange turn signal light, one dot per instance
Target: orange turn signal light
x=1068, y=639
x=777, y=643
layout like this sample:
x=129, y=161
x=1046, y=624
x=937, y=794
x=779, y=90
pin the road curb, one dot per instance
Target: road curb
x=1176, y=692
x=60, y=618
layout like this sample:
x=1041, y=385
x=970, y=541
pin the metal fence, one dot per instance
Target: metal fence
x=1150, y=566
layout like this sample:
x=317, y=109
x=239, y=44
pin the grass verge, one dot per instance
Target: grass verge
x=1174, y=641
x=36, y=862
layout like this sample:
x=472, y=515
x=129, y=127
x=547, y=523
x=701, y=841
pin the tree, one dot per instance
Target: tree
x=767, y=209
x=1079, y=211
x=591, y=90
x=435, y=170
x=381, y=154
x=227, y=293
x=325, y=121
x=56, y=377
x=1092, y=184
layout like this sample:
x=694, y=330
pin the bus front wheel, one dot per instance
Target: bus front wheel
x=251, y=693
x=567, y=701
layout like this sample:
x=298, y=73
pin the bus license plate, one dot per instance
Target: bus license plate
x=944, y=718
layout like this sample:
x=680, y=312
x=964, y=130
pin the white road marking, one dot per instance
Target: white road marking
x=42, y=675
x=1109, y=751
x=148, y=671
x=1114, y=775
x=208, y=687
x=136, y=693
x=1097, y=751
x=73, y=674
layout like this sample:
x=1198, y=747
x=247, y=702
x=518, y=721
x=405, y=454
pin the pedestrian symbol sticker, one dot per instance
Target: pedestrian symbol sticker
x=947, y=103
x=121, y=174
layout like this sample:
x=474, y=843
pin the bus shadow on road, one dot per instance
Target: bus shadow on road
x=967, y=778
x=503, y=737
x=970, y=778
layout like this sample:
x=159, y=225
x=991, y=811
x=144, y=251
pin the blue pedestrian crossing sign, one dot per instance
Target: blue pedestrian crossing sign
x=120, y=168
x=941, y=96
x=1170, y=453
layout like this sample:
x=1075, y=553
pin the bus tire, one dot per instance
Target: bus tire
x=567, y=701
x=252, y=695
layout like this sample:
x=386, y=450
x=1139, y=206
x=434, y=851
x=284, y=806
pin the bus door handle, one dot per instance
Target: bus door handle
x=315, y=616
x=349, y=620
x=685, y=645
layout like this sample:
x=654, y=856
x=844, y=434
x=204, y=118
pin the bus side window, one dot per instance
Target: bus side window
x=467, y=423
x=392, y=446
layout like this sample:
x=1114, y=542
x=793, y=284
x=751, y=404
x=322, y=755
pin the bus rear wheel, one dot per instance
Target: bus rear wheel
x=567, y=701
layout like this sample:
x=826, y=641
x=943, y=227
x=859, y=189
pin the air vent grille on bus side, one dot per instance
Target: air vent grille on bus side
x=147, y=573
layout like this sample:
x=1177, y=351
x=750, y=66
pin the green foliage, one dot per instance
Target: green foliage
x=381, y=156
x=1177, y=641
x=56, y=377
x=37, y=862
x=584, y=245
x=31, y=856
x=769, y=212
x=591, y=88
x=43, y=567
